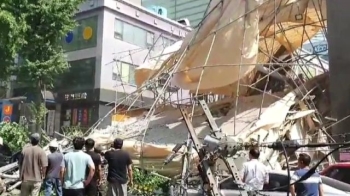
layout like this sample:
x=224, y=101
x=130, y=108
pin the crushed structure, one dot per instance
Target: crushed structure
x=243, y=55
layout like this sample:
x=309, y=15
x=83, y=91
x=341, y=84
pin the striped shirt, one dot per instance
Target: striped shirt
x=308, y=187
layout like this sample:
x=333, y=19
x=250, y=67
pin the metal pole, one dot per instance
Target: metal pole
x=44, y=96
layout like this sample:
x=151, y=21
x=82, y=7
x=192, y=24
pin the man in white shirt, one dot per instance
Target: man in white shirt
x=255, y=173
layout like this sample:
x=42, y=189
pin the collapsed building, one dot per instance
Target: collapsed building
x=244, y=55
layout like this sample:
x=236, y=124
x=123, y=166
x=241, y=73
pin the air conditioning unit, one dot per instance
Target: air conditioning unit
x=184, y=21
x=159, y=10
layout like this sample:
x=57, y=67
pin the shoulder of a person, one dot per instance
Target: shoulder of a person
x=246, y=164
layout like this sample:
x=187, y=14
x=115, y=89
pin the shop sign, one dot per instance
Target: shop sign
x=75, y=96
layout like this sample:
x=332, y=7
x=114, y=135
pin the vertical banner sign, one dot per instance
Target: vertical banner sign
x=75, y=117
x=85, y=116
x=80, y=116
x=50, y=129
x=90, y=116
x=7, y=110
x=68, y=118
x=57, y=124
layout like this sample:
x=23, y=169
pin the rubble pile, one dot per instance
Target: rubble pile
x=281, y=116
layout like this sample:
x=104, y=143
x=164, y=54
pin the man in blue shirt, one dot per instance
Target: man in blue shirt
x=52, y=180
x=309, y=187
x=75, y=164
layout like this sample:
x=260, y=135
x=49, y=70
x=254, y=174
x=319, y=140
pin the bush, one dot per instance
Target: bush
x=147, y=184
x=14, y=135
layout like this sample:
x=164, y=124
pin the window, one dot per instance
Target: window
x=80, y=76
x=277, y=182
x=124, y=72
x=83, y=36
x=133, y=34
x=167, y=42
x=149, y=40
x=118, y=29
x=162, y=43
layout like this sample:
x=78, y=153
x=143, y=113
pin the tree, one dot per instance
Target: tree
x=46, y=22
x=12, y=28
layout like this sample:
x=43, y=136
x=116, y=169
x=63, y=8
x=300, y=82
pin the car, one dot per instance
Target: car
x=277, y=186
x=339, y=171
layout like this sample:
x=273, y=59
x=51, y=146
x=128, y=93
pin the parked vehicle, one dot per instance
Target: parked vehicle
x=339, y=171
x=278, y=182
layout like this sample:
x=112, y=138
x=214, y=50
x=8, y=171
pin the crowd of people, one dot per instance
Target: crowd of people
x=76, y=173
x=80, y=173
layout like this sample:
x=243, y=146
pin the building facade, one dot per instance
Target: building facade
x=112, y=38
x=193, y=10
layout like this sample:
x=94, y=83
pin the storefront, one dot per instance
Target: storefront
x=78, y=108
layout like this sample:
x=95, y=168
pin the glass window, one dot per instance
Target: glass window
x=277, y=182
x=128, y=33
x=162, y=43
x=118, y=29
x=139, y=38
x=124, y=72
x=149, y=40
x=133, y=34
x=83, y=36
x=80, y=76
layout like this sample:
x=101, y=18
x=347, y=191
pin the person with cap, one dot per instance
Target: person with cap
x=74, y=169
x=119, y=169
x=33, y=164
x=92, y=188
x=54, y=171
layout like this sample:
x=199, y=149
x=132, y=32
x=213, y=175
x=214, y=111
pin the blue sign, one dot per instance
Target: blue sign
x=321, y=48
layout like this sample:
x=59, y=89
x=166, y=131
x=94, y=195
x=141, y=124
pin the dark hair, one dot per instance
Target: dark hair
x=98, y=149
x=254, y=152
x=89, y=143
x=52, y=149
x=305, y=159
x=34, y=142
x=118, y=143
x=78, y=143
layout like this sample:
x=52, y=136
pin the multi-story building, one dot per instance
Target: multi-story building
x=113, y=38
x=193, y=10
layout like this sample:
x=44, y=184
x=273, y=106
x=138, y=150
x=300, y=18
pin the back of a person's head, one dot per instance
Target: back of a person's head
x=254, y=153
x=305, y=159
x=78, y=143
x=98, y=149
x=89, y=143
x=35, y=139
x=118, y=143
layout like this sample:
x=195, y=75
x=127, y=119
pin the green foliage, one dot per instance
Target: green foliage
x=43, y=55
x=12, y=28
x=39, y=111
x=147, y=184
x=14, y=135
x=33, y=29
x=73, y=131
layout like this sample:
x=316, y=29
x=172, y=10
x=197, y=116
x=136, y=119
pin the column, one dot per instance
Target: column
x=338, y=12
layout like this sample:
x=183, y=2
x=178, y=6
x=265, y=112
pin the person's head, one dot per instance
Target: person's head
x=53, y=146
x=78, y=143
x=254, y=153
x=35, y=139
x=118, y=143
x=89, y=144
x=304, y=160
x=98, y=149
